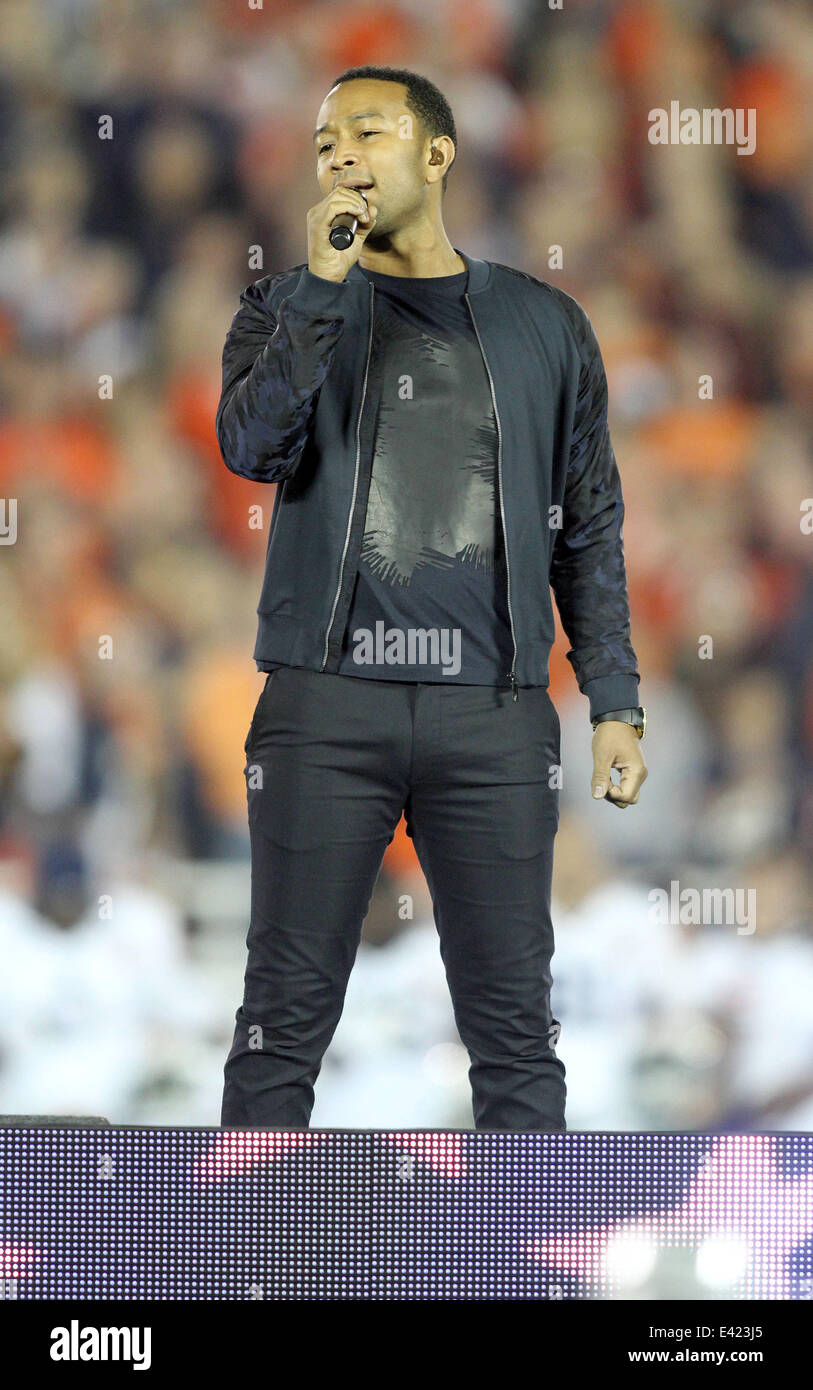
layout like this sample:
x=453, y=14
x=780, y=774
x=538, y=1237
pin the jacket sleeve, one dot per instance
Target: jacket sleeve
x=588, y=574
x=274, y=365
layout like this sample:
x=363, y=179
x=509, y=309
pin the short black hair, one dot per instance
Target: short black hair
x=423, y=99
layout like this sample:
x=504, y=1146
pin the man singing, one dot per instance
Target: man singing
x=437, y=429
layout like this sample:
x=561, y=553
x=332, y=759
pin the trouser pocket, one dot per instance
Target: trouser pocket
x=269, y=678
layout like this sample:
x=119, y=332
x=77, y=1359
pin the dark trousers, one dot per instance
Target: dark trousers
x=332, y=761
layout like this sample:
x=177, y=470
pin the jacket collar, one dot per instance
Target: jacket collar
x=479, y=272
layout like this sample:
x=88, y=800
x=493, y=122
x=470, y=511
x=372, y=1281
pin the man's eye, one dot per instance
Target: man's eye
x=322, y=148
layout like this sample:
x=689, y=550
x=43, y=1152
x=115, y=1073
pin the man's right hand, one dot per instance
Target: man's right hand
x=323, y=259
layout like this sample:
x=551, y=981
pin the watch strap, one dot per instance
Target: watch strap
x=635, y=717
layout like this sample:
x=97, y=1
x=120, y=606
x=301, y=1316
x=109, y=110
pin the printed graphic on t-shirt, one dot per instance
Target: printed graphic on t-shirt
x=432, y=492
x=429, y=601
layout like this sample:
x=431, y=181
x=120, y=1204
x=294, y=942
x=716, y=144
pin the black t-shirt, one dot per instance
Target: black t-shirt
x=431, y=590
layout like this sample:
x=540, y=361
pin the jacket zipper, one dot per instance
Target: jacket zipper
x=512, y=675
x=355, y=480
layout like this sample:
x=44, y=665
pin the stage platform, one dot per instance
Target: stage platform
x=96, y=1211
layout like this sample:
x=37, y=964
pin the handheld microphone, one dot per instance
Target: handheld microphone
x=342, y=233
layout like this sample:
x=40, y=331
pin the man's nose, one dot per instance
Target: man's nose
x=343, y=157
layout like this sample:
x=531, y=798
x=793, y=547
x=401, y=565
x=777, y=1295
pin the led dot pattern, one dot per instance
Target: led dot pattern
x=123, y=1212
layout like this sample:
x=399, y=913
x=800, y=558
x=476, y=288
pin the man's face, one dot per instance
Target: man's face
x=373, y=139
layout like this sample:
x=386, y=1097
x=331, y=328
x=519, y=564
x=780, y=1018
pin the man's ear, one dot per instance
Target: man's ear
x=439, y=155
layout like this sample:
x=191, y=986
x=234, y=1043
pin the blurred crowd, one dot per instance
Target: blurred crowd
x=156, y=158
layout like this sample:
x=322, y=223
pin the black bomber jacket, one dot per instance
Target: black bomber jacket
x=292, y=412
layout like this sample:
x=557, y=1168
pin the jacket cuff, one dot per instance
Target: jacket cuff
x=318, y=297
x=606, y=693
